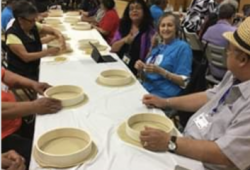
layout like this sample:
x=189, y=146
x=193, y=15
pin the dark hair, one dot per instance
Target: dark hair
x=159, y=2
x=176, y=22
x=246, y=10
x=210, y=20
x=226, y=11
x=126, y=22
x=108, y=4
x=10, y=1
x=23, y=8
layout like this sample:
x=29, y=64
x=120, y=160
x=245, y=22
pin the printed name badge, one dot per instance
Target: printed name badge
x=126, y=59
x=201, y=121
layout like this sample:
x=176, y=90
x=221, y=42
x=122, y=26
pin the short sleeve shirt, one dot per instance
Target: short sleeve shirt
x=9, y=126
x=13, y=39
x=227, y=122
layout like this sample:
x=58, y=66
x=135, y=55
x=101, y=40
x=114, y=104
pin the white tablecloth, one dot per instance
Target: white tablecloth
x=105, y=110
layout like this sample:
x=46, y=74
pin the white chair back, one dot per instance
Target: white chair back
x=193, y=40
x=216, y=55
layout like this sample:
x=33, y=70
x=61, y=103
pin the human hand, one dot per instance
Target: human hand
x=152, y=68
x=40, y=87
x=47, y=105
x=154, y=139
x=154, y=101
x=53, y=50
x=16, y=166
x=12, y=161
x=62, y=42
x=84, y=13
x=139, y=65
x=131, y=36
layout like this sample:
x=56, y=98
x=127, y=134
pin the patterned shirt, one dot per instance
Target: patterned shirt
x=196, y=14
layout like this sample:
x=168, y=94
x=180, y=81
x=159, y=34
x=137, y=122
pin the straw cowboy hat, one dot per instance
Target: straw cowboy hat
x=241, y=37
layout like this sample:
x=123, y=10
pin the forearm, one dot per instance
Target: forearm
x=12, y=110
x=201, y=150
x=102, y=31
x=177, y=79
x=49, y=30
x=190, y=103
x=116, y=46
x=47, y=39
x=88, y=19
x=15, y=80
x=32, y=56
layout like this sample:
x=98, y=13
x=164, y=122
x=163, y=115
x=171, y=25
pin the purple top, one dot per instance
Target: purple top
x=145, y=41
x=214, y=34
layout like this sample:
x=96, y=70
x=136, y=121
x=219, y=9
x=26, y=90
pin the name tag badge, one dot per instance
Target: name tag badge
x=126, y=59
x=201, y=121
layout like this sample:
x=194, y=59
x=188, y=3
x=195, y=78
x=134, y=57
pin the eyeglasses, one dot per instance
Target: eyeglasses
x=30, y=21
x=136, y=8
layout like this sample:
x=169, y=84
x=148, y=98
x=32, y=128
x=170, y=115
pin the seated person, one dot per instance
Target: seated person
x=132, y=40
x=107, y=26
x=12, y=161
x=23, y=41
x=218, y=133
x=7, y=14
x=89, y=7
x=214, y=34
x=168, y=66
x=12, y=112
x=157, y=9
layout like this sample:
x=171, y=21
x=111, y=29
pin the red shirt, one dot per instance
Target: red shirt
x=110, y=23
x=9, y=126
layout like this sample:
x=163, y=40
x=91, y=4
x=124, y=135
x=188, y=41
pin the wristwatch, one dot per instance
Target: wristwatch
x=172, y=146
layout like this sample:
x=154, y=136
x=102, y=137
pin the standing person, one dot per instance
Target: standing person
x=12, y=112
x=218, y=134
x=168, y=66
x=24, y=47
x=133, y=37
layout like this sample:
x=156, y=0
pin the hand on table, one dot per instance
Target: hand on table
x=154, y=101
x=47, y=105
x=154, y=139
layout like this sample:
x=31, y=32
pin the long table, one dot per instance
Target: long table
x=104, y=111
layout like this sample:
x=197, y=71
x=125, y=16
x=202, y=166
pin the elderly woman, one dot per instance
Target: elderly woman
x=109, y=22
x=23, y=40
x=168, y=66
x=133, y=39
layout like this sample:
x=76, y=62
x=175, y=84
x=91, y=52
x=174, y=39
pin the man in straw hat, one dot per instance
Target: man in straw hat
x=219, y=133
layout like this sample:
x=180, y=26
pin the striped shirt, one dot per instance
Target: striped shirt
x=196, y=14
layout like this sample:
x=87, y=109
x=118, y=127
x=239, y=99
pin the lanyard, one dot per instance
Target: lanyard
x=223, y=97
x=155, y=55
